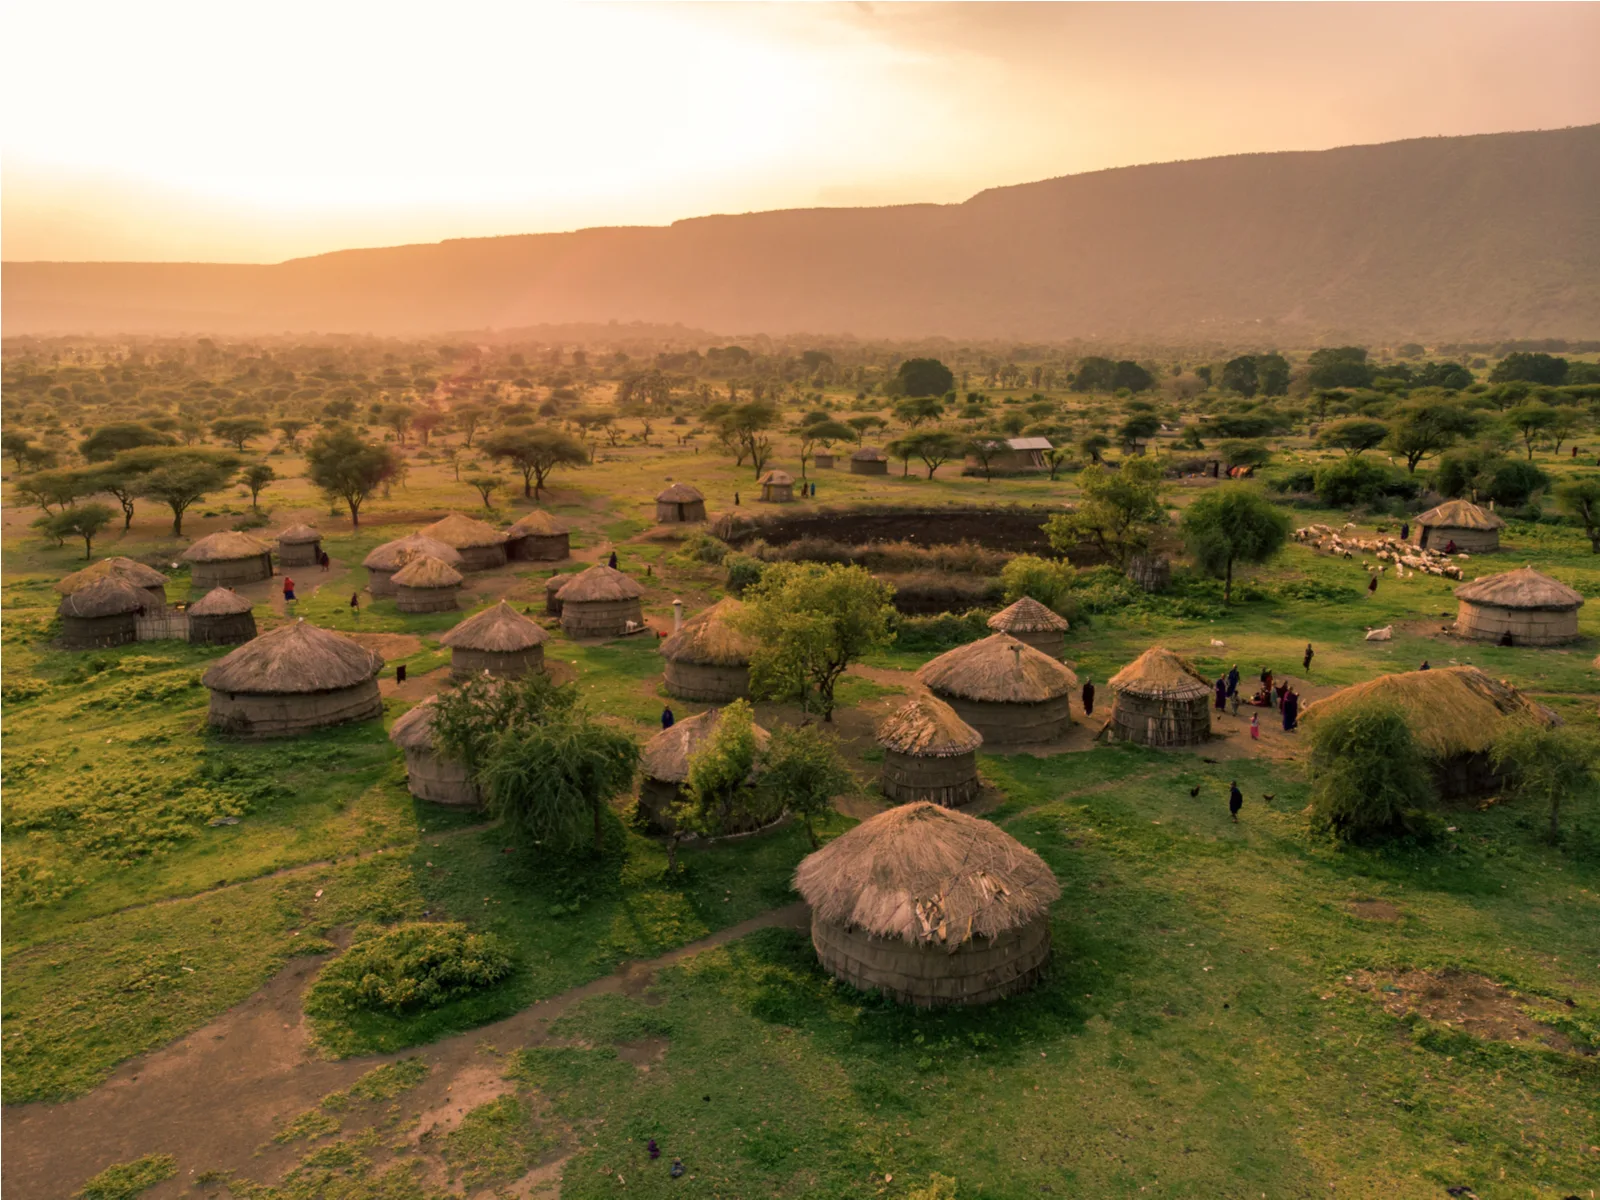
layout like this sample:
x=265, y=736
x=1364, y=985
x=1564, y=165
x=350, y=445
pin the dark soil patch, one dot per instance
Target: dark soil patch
x=643, y=1053
x=1465, y=1002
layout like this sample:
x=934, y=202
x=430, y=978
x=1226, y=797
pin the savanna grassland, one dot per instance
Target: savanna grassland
x=1233, y=1009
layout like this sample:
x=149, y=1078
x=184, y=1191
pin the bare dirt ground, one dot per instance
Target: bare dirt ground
x=1462, y=1001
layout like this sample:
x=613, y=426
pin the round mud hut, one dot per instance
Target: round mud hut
x=930, y=906
x=1160, y=700
x=552, y=593
x=1473, y=530
x=869, y=461
x=429, y=776
x=146, y=579
x=822, y=460
x=481, y=546
x=498, y=641
x=293, y=679
x=664, y=766
x=299, y=546
x=680, y=504
x=227, y=559
x=709, y=659
x=600, y=602
x=538, y=537
x=426, y=585
x=1033, y=624
x=221, y=617
x=929, y=754
x=777, y=487
x=1455, y=714
x=1530, y=607
x=388, y=558
x=105, y=613
x=1009, y=692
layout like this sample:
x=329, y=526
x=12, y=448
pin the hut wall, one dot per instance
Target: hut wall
x=777, y=493
x=230, y=629
x=669, y=512
x=482, y=558
x=822, y=461
x=1153, y=722
x=430, y=777
x=548, y=548
x=1013, y=724
x=600, y=618
x=706, y=683
x=510, y=665
x=1464, y=776
x=300, y=554
x=425, y=600
x=92, y=633
x=380, y=582
x=979, y=971
x=162, y=625
x=1528, y=626
x=1469, y=541
x=1047, y=641
x=656, y=797
x=204, y=576
x=869, y=466
x=950, y=781
x=253, y=714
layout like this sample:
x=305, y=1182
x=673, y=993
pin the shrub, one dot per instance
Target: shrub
x=1368, y=780
x=1048, y=581
x=1355, y=480
x=124, y=1181
x=407, y=968
x=929, y=592
x=700, y=546
x=1543, y=767
x=743, y=571
x=940, y=632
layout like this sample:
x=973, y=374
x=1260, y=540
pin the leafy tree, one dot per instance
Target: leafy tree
x=22, y=450
x=238, y=431
x=291, y=428
x=1239, y=375
x=1529, y=420
x=1094, y=446
x=1368, y=780
x=719, y=794
x=1238, y=453
x=1118, y=513
x=469, y=418
x=486, y=485
x=745, y=429
x=1340, y=366
x=425, y=421
x=52, y=489
x=398, y=417
x=256, y=477
x=1354, y=435
x=1424, y=430
x=802, y=770
x=1047, y=580
x=117, y=482
x=1272, y=374
x=934, y=447
x=826, y=432
x=1140, y=427
x=986, y=448
x=1256, y=424
x=554, y=780
x=1483, y=473
x=1580, y=498
x=1543, y=767
x=861, y=424
x=81, y=520
x=924, y=377
x=1055, y=458
x=105, y=443
x=536, y=451
x=1520, y=365
x=1229, y=524
x=912, y=413
x=1352, y=481
x=347, y=467
x=180, y=477
x=1451, y=376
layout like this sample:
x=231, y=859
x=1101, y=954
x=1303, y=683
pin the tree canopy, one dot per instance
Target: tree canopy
x=1118, y=513
x=924, y=377
x=347, y=467
x=536, y=451
x=1231, y=524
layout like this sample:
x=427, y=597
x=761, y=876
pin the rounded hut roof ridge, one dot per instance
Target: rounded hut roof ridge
x=869, y=454
x=1160, y=674
x=1521, y=588
x=927, y=874
x=299, y=534
x=129, y=570
x=413, y=729
x=227, y=545
x=220, y=602
x=927, y=727
x=294, y=660
x=666, y=756
x=680, y=493
x=538, y=523
x=463, y=532
x=391, y=556
x=998, y=669
x=1460, y=514
x=711, y=639
x=599, y=582
x=777, y=475
x=426, y=571
x=498, y=630
x=107, y=596
x=1027, y=615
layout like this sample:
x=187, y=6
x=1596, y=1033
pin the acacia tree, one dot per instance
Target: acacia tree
x=746, y=427
x=81, y=520
x=825, y=432
x=425, y=421
x=486, y=485
x=1118, y=512
x=469, y=418
x=1580, y=498
x=291, y=428
x=1529, y=421
x=1230, y=524
x=346, y=467
x=52, y=489
x=111, y=439
x=1353, y=436
x=256, y=477
x=860, y=425
x=1544, y=767
x=914, y=412
x=237, y=431
x=183, y=477
x=536, y=451
x=118, y=483
x=1426, y=430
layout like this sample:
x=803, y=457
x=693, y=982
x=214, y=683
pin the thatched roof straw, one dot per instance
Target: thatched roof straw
x=711, y=639
x=538, y=523
x=1461, y=514
x=1000, y=670
x=1159, y=674
x=556, y=582
x=927, y=874
x=227, y=546
x=1028, y=616
x=1451, y=710
x=126, y=569
x=220, y=602
x=463, y=532
x=498, y=630
x=1522, y=588
x=777, y=475
x=680, y=493
x=928, y=728
x=391, y=556
x=105, y=597
x=599, y=582
x=666, y=756
x=425, y=571
x=414, y=728
x=292, y=660
x=299, y=535
x=869, y=454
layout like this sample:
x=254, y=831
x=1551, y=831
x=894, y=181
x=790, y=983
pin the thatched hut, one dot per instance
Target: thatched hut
x=1533, y=608
x=600, y=602
x=929, y=754
x=227, y=559
x=777, y=486
x=146, y=579
x=869, y=461
x=292, y=679
x=931, y=907
x=680, y=503
x=552, y=593
x=429, y=775
x=538, y=537
x=664, y=766
x=426, y=585
x=105, y=613
x=709, y=659
x=1032, y=623
x=388, y=558
x=480, y=545
x=822, y=460
x=1455, y=714
x=1474, y=530
x=1160, y=700
x=1009, y=692
x=498, y=641
x=299, y=546
x=221, y=617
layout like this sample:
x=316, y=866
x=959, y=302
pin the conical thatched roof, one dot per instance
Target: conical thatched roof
x=414, y=728
x=1522, y=588
x=680, y=493
x=105, y=597
x=927, y=874
x=999, y=669
x=220, y=602
x=556, y=582
x=538, y=523
x=299, y=535
x=391, y=556
x=227, y=546
x=426, y=571
x=292, y=660
x=462, y=532
x=1159, y=674
x=1451, y=710
x=777, y=475
x=1028, y=616
x=126, y=569
x=1461, y=514
x=870, y=454
x=927, y=727
x=710, y=638
x=666, y=756
x=599, y=582
x=498, y=630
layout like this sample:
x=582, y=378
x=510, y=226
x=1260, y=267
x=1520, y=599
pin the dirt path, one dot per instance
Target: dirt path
x=215, y=1098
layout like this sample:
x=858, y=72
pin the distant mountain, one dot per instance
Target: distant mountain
x=1463, y=238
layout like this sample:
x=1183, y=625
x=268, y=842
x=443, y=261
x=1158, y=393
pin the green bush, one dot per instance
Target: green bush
x=701, y=547
x=124, y=1181
x=1049, y=581
x=1357, y=480
x=1544, y=767
x=1368, y=780
x=944, y=631
x=743, y=571
x=409, y=967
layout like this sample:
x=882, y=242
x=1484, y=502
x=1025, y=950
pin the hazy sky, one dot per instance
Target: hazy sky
x=255, y=131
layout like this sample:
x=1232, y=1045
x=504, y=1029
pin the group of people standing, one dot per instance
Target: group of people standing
x=1278, y=695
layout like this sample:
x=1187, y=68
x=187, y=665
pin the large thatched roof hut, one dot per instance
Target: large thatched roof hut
x=104, y=613
x=227, y=559
x=221, y=617
x=930, y=906
x=869, y=461
x=388, y=558
x=429, y=775
x=499, y=641
x=538, y=537
x=425, y=584
x=1533, y=608
x=929, y=753
x=1029, y=621
x=1455, y=714
x=777, y=486
x=709, y=659
x=1160, y=700
x=1474, y=530
x=680, y=503
x=665, y=765
x=292, y=679
x=480, y=545
x=1009, y=692
x=299, y=546
x=146, y=579
x=600, y=602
